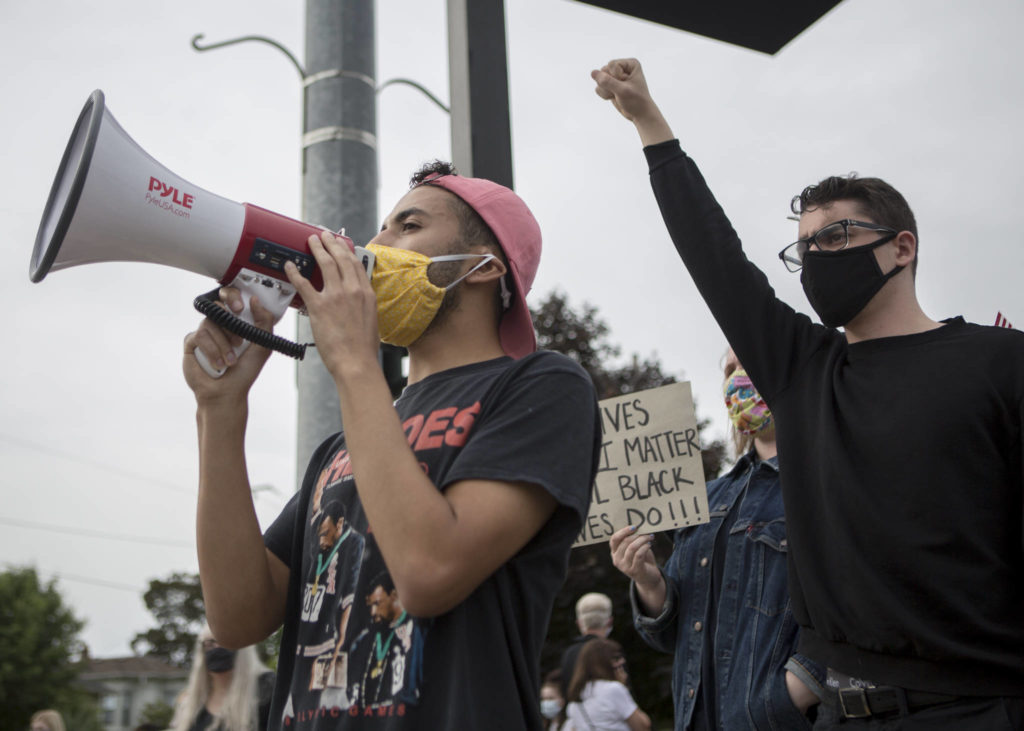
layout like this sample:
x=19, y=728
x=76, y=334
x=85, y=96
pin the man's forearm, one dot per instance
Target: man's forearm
x=410, y=518
x=242, y=602
x=438, y=545
x=652, y=127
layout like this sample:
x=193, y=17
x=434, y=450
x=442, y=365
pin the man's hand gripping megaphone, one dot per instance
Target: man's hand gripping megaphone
x=245, y=311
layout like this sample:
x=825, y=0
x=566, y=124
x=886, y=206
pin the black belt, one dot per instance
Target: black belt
x=864, y=702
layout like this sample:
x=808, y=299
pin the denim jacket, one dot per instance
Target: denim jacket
x=756, y=634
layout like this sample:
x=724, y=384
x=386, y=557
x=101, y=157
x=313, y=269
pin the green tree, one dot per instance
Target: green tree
x=39, y=653
x=582, y=335
x=176, y=603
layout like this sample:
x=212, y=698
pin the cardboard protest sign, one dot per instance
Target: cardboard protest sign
x=650, y=473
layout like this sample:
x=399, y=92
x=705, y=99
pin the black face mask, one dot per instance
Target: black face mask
x=839, y=284
x=220, y=660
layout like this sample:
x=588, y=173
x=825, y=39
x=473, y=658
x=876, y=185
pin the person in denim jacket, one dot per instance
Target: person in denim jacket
x=721, y=603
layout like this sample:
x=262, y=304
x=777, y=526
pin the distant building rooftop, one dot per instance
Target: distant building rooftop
x=100, y=675
x=119, y=667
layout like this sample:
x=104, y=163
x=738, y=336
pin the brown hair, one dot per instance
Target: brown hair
x=880, y=201
x=596, y=661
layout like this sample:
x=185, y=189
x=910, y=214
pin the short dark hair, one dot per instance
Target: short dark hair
x=879, y=200
x=334, y=509
x=384, y=581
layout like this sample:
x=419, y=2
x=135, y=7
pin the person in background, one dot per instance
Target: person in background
x=598, y=697
x=552, y=701
x=228, y=690
x=594, y=619
x=723, y=591
x=48, y=720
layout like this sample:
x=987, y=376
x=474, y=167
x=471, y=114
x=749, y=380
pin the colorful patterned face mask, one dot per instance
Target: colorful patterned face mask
x=747, y=410
x=407, y=301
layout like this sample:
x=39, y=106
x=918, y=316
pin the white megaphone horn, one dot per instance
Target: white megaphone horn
x=111, y=201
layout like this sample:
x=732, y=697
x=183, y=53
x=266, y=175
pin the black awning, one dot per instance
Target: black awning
x=757, y=24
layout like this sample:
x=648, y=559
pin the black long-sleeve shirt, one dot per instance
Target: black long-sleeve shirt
x=901, y=463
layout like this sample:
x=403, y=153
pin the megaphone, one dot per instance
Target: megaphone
x=111, y=201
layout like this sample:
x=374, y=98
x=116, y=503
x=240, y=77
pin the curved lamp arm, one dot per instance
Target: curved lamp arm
x=263, y=39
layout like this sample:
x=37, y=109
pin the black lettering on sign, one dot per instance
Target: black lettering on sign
x=604, y=465
x=596, y=528
x=626, y=415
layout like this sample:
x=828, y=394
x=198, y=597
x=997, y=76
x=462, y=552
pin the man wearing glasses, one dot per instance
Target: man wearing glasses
x=901, y=440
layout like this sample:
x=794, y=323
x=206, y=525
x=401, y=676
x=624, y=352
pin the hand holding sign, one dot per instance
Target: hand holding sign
x=633, y=555
x=650, y=473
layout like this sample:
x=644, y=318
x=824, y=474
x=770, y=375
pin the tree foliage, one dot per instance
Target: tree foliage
x=583, y=336
x=176, y=603
x=39, y=653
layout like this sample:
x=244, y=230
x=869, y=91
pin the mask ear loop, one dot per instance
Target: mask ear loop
x=506, y=294
x=461, y=257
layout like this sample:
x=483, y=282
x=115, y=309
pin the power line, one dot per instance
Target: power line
x=95, y=533
x=50, y=451
x=98, y=582
x=83, y=579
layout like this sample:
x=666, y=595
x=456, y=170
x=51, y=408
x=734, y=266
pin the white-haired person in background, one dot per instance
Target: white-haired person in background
x=228, y=690
x=594, y=619
x=48, y=720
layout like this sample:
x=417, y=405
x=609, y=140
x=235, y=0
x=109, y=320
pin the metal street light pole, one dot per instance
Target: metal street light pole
x=339, y=172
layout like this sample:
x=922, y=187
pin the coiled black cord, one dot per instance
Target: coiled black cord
x=208, y=305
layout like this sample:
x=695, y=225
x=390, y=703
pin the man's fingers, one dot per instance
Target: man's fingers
x=213, y=343
x=601, y=79
x=301, y=284
x=622, y=68
x=324, y=259
x=345, y=258
x=608, y=87
x=261, y=316
x=231, y=298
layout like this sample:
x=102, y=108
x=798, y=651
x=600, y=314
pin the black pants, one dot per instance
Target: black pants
x=969, y=714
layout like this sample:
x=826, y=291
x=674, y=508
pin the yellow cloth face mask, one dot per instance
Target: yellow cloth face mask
x=407, y=301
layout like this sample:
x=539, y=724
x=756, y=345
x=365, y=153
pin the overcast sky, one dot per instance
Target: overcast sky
x=97, y=438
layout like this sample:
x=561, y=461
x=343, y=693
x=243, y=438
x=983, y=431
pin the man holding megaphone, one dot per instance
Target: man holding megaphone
x=467, y=492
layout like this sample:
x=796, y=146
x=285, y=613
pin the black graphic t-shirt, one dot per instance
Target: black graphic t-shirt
x=351, y=656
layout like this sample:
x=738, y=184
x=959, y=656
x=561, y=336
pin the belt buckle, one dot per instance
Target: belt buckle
x=860, y=708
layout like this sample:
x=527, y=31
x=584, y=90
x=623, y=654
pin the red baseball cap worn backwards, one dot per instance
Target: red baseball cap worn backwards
x=517, y=232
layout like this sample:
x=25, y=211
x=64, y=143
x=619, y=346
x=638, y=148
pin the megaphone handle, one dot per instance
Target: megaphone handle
x=274, y=295
x=246, y=316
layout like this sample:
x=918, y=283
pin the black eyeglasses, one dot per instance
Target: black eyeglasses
x=834, y=237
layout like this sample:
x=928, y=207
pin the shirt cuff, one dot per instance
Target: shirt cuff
x=810, y=672
x=661, y=153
